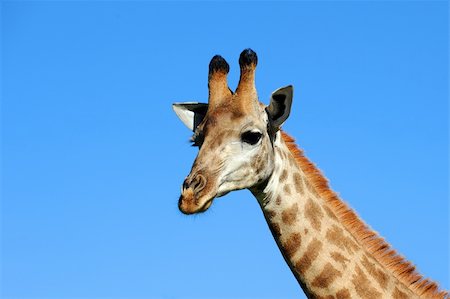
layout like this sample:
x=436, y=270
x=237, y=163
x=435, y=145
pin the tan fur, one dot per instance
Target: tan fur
x=326, y=277
x=290, y=215
x=245, y=93
x=292, y=244
x=402, y=269
x=343, y=294
x=219, y=92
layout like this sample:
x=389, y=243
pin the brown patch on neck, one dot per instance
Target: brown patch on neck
x=278, y=200
x=310, y=188
x=287, y=189
x=314, y=214
x=311, y=253
x=379, y=275
x=363, y=286
x=399, y=294
x=330, y=213
x=343, y=294
x=289, y=215
x=298, y=183
x=275, y=229
x=335, y=235
x=270, y=214
x=340, y=258
x=326, y=277
x=379, y=249
x=292, y=244
x=314, y=296
x=283, y=176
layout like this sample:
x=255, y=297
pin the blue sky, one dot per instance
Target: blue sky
x=93, y=156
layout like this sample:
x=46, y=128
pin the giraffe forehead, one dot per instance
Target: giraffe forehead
x=230, y=120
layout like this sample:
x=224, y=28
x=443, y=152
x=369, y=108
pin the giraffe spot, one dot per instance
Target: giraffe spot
x=312, y=190
x=306, y=231
x=283, y=176
x=375, y=272
x=326, y=277
x=270, y=214
x=287, y=189
x=275, y=229
x=292, y=160
x=330, y=213
x=336, y=256
x=298, y=183
x=311, y=253
x=343, y=294
x=236, y=114
x=278, y=200
x=289, y=215
x=363, y=285
x=219, y=140
x=292, y=244
x=397, y=294
x=314, y=214
x=336, y=237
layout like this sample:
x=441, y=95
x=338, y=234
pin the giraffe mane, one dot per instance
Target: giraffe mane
x=387, y=257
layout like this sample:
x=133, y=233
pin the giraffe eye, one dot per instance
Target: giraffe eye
x=251, y=137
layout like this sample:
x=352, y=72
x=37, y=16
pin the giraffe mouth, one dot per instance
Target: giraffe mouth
x=206, y=205
x=189, y=210
x=188, y=204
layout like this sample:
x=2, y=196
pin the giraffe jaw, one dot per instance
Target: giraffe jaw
x=206, y=206
x=195, y=210
x=191, y=203
x=188, y=204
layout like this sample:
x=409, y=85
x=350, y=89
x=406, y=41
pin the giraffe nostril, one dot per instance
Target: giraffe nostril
x=199, y=183
x=185, y=185
x=196, y=183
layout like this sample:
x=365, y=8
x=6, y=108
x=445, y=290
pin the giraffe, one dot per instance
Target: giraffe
x=329, y=249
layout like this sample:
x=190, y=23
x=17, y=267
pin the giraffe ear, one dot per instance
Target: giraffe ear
x=280, y=106
x=190, y=113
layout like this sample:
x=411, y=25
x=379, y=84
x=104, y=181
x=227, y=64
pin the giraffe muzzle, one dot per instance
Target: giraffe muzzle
x=197, y=183
x=192, y=200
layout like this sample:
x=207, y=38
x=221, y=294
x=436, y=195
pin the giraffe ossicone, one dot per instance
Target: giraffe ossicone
x=330, y=251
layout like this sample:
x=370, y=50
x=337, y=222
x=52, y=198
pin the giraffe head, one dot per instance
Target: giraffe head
x=234, y=133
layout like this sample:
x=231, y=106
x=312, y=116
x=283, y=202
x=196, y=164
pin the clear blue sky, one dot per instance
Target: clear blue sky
x=93, y=156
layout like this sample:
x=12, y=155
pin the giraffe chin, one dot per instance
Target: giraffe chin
x=189, y=205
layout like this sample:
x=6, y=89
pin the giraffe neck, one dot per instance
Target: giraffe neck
x=325, y=258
